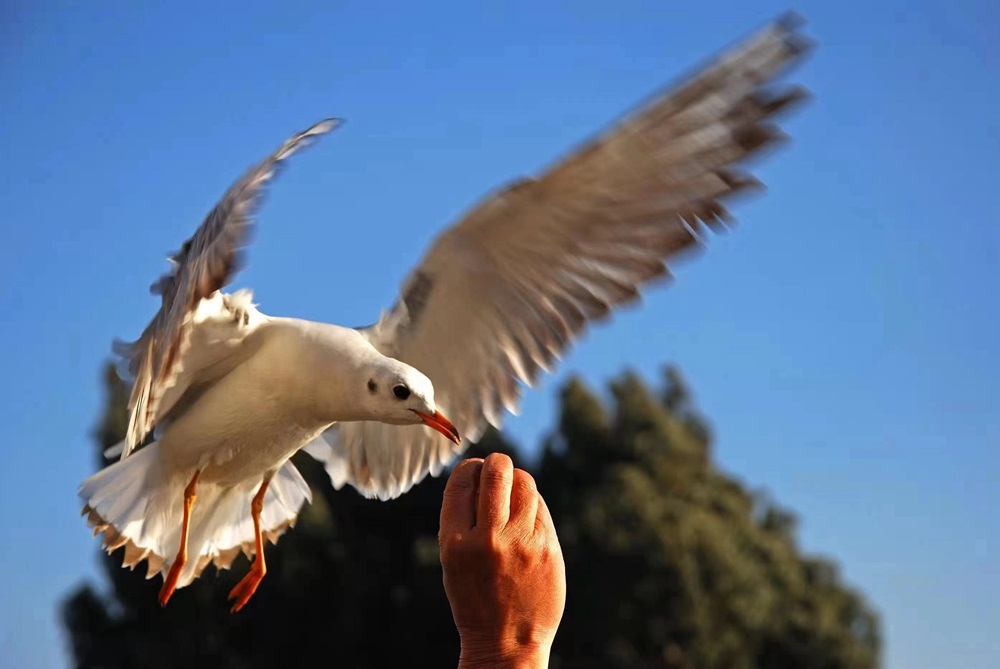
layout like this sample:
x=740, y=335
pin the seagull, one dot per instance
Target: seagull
x=222, y=395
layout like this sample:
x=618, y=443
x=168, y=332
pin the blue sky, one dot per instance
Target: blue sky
x=844, y=340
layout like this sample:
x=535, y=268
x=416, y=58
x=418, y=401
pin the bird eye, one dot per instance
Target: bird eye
x=372, y=386
x=401, y=392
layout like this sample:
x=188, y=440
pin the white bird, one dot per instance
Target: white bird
x=230, y=394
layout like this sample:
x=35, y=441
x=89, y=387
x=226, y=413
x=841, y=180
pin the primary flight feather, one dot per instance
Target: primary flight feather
x=223, y=395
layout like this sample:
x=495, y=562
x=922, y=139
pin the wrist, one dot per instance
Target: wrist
x=525, y=651
x=524, y=657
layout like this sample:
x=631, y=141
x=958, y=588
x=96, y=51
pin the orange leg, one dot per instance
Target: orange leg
x=244, y=589
x=170, y=582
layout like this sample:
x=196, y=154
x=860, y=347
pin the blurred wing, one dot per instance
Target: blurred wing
x=500, y=296
x=206, y=262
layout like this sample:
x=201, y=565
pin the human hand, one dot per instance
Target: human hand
x=503, y=566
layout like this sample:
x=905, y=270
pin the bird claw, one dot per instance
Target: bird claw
x=245, y=589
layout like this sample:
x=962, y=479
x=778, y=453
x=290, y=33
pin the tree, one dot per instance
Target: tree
x=670, y=564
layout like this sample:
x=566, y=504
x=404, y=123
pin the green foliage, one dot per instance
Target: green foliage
x=670, y=564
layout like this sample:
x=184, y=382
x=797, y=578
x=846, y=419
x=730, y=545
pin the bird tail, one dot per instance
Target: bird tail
x=137, y=507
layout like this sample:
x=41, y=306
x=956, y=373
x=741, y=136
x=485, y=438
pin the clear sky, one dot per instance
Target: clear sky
x=844, y=341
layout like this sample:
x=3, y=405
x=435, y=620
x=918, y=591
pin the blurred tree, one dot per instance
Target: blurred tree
x=670, y=563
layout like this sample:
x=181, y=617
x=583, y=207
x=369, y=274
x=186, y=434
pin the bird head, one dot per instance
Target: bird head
x=399, y=394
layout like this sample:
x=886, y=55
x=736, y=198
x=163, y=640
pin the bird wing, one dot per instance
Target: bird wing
x=161, y=358
x=501, y=295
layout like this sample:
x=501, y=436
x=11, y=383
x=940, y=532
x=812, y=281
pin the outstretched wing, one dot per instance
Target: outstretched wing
x=501, y=295
x=204, y=264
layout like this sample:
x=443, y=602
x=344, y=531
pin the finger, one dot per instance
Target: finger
x=543, y=519
x=495, y=482
x=458, y=510
x=523, y=501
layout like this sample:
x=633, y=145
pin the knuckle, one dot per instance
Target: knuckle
x=457, y=487
x=525, y=482
x=494, y=478
x=462, y=474
x=452, y=546
x=545, y=552
x=524, y=554
x=488, y=549
x=550, y=553
x=494, y=545
x=498, y=470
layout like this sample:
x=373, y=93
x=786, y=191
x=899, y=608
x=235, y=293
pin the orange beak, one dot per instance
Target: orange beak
x=441, y=424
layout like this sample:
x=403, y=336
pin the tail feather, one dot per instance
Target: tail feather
x=136, y=507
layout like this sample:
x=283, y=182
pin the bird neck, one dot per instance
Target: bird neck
x=329, y=363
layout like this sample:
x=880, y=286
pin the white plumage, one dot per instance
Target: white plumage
x=229, y=394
